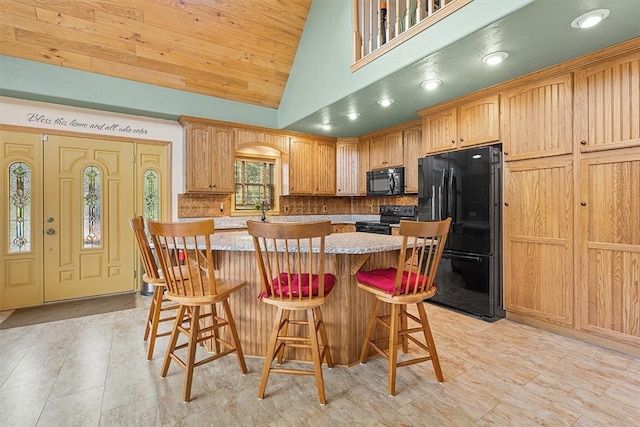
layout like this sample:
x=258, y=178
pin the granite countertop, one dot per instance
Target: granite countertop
x=339, y=243
x=227, y=223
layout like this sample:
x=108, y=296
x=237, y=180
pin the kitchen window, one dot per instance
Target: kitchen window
x=255, y=183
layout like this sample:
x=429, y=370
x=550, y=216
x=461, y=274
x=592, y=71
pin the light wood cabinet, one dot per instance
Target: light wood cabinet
x=607, y=101
x=210, y=157
x=609, y=211
x=312, y=167
x=537, y=119
x=301, y=163
x=538, y=239
x=385, y=151
x=471, y=123
x=363, y=165
x=412, y=152
x=344, y=228
x=324, y=167
x=347, y=168
x=253, y=137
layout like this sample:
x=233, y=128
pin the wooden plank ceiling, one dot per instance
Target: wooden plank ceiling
x=240, y=50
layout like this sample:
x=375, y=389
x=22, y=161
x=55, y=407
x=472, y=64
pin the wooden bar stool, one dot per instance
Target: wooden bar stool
x=293, y=280
x=411, y=282
x=152, y=276
x=186, y=259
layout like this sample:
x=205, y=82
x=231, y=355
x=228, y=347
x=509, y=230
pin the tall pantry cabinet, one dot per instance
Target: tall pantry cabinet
x=608, y=135
x=538, y=200
x=572, y=198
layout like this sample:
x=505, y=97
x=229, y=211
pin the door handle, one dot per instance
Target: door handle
x=50, y=231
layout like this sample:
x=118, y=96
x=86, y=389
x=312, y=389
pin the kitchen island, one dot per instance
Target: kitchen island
x=347, y=309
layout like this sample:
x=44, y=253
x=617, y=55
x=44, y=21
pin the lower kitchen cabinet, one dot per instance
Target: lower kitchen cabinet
x=538, y=239
x=609, y=211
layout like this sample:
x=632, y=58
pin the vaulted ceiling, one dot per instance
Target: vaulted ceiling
x=239, y=50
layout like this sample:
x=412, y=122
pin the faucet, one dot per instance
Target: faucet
x=264, y=207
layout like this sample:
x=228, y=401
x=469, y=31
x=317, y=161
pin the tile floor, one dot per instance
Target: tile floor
x=92, y=371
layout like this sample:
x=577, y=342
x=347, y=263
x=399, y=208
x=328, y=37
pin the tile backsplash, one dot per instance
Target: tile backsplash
x=204, y=206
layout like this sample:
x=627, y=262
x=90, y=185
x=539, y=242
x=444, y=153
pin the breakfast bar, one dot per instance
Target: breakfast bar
x=346, y=311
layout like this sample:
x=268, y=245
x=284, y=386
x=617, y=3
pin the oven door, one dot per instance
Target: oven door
x=373, y=228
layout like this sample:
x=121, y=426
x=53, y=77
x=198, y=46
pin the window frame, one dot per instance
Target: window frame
x=275, y=160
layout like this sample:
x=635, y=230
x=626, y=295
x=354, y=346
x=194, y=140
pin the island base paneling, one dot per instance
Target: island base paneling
x=345, y=314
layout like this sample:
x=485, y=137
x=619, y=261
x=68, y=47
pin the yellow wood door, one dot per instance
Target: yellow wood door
x=88, y=201
x=609, y=286
x=21, y=219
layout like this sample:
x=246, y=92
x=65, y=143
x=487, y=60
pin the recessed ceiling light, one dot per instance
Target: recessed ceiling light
x=385, y=102
x=430, y=84
x=326, y=126
x=352, y=116
x=590, y=19
x=495, y=58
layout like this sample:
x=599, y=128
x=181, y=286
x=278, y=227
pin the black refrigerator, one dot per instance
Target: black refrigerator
x=466, y=186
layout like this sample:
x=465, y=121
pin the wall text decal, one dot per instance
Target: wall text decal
x=79, y=124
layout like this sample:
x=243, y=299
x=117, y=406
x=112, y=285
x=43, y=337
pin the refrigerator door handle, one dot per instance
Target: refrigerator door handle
x=451, y=196
x=442, y=204
x=461, y=257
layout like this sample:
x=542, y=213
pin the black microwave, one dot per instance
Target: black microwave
x=385, y=182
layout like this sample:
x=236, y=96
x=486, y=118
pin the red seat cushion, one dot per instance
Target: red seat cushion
x=281, y=285
x=385, y=280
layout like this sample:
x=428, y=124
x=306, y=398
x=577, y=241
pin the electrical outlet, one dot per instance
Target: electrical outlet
x=221, y=206
x=324, y=209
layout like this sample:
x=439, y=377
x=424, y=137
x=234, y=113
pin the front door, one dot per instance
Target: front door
x=88, y=201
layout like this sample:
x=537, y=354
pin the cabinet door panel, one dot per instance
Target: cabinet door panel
x=608, y=105
x=412, y=152
x=440, y=131
x=537, y=119
x=301, y=166
x=198, y=170
x=363, y=165
x=325, y=168
x=222, y=170
x=538, y=239
x=347, y=168
x=609, y=287
x=479, y=122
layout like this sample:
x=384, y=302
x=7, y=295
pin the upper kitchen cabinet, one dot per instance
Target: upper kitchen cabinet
x=537, y=119
x=347, y=167
x=607, y=103
x=312, y=167
x=253, y=137
x=471, y=123
x=385, y=151
x=209, y=158
x=412, y=152
x=363, y=165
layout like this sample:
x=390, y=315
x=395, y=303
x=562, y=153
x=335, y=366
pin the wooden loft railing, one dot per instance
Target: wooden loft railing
x=379, y=26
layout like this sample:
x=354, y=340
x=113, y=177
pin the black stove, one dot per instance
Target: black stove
x=389, y=214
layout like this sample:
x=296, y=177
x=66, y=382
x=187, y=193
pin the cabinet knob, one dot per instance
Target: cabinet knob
x=453, y=141
x=583, y=142
x=461, y=139
x=506, y=203
x=583, y=203
x=506, y=153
